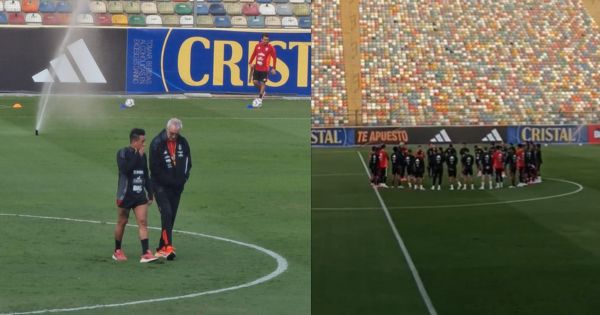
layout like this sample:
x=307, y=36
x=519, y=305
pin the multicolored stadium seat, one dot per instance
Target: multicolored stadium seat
x=463, y=63
x=221, y=13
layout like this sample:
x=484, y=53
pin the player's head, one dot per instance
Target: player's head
x=374, y=148
x=174, y=125
x=395, y=149
x=450, y=145
x=466, y=150
x=409, y=151
x=383, y=146
x=264, y=38
x=137, y=137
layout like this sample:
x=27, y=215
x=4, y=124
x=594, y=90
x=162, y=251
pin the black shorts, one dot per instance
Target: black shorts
x=468, y=171
x=396, y=170
x=419, y=174
x=451, y=172
x=261, y=76
x=512, y=169
x=486, y=171
x=130, y=202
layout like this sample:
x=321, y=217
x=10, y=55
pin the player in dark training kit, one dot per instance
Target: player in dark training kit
x=486, y=168
x=468, y=161
x=396, y=160
x=511, y=166
x=436, y=165
x=451, y=163
x=409, y=164
x=133, y=192
x=374, y=165
x=418, y=171
x=431, y=152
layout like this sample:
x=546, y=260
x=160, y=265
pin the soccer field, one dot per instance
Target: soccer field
x=245, y=245
x=532, y=250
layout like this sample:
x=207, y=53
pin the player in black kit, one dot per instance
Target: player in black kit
x=468, y=161
x=418, y=171
x=451, y=163
x=396, y=159
x=133, y=185
x=437, y=168
x=374, y=165
x=486, y=168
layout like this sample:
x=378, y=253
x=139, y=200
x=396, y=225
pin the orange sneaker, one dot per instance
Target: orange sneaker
x=170, y=251
x=148, y=257
x=118, y=255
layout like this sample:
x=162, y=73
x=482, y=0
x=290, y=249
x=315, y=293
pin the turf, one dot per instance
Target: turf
x=250, y=182
x=531, y=257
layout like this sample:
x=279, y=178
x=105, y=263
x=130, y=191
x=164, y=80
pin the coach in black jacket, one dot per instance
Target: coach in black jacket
x=170, y=164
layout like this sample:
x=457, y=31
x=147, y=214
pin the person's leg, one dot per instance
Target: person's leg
x=166, y=216
x=141, y=216
x=122, y=218
x=262, y=90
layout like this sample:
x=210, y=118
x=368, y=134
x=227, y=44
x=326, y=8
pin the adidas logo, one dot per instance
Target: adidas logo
x=493, y=136
x=63, y=67
x=442, y=136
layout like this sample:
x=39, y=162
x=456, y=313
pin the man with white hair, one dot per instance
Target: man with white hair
x=170, y=164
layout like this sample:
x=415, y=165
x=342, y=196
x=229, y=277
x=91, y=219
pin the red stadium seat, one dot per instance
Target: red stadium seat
x=103, y=19
x=30, y=6
x=16, y=18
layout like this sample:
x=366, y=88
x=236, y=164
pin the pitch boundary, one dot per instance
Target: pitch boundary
x=578, y=190
x=282, y=266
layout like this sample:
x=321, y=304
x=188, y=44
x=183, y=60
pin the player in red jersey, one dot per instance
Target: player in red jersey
x=498, y=158
x=263, y=52
x=383, y=165
x=521, y=165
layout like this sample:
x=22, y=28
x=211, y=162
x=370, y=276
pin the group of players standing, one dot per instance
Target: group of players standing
x=520, y=164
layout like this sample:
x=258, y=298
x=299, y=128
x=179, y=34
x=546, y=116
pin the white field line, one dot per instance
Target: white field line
x=282, y=266
x=407, y=257
x=463, y=205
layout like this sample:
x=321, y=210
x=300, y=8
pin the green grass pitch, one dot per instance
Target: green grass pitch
x=250, y=182
x=532, y=257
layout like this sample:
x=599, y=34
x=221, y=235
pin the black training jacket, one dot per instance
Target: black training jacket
x=163, y=172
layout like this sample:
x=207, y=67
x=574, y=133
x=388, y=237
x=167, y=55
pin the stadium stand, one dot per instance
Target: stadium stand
x=220, y=13
x=465, y=63
x=329, y=104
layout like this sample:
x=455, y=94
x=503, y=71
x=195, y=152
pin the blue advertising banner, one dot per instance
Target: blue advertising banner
x=548, y=134
x=332, y=136
x=213, y=61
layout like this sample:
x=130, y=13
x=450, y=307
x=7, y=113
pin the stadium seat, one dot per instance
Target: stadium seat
x=115, y=7
x=250, y=9
x=273, y=21
x=148, y=8
x=184, y=20
x=284, y=9
x=217, y=9
x=297, y=1
x=255, y=21
x=181, y=1
x=3, y=18
x=222, y=21
x=136, y=20
x=289, y=22
x=102, y=19
x=64, y=7
x=214, y=1
x=301, y=9
x=244, y=1
x=166, y=8
x=154, y=20
x=263, y=1
x=132, y=7
x=173, y=20
x=238, y=21
x=281, y=1
x=304, y=22
x=119, y=19
x=12, y=6
x=85, y=19
x=33, y=18
x=16, y=18
x=201, y=9
x=204, y=21
x=233, y=8
x=47, y=6
x=266, y=9
x=51, y=19
x=30, y=6
x=98, y=7
x=2, y=7
x=183, y=8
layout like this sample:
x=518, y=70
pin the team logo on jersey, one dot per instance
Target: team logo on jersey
x=64, y=70
x=441, y=136
x=493, y=136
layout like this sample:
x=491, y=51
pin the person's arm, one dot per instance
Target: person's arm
x=274, y=56
x=188, y=161
x=126, y=161
x=149, y=188
x=253, y=56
